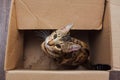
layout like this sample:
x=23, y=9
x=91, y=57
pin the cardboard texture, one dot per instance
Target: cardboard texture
x=115, y=20
x=101, y=41
x=33, y=15
x=52, y=14
x=57, y=75
x=14, y=42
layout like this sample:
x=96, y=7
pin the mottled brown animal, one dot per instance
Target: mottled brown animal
x=66, y=51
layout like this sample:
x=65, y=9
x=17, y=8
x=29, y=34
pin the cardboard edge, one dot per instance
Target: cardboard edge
x=110, y=31
x=56, y=75
x=14, y=41
x=99, y=28
x=114, y=67
x=7, y=41
x=108, y=2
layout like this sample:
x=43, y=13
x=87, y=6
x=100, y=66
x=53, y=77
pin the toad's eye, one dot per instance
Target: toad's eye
x=58, y=46
x=55, y=36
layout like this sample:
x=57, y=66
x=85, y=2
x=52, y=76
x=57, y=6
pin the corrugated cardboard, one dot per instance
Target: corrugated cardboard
x=51, y=14
x=25, y=14
x=57, y=75
x=101, y=41
x=115, y=23
x=14, y=42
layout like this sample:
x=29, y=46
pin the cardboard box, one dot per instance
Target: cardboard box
x=96, y=17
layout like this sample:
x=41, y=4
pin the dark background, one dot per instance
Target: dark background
x=4, y=16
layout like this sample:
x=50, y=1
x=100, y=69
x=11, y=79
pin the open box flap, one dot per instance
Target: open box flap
x=14, y=50
x=14, y=47
x=115, y=27
x=52, y=14
x=56, y=75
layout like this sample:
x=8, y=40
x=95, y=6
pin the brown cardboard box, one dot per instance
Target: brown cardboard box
x=115, y=13
x=87, y=15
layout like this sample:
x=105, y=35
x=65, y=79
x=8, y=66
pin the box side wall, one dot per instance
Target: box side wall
x=115, y=28
x=14, y=47
x=52, y=14
x=101, y=41
x=57, y=75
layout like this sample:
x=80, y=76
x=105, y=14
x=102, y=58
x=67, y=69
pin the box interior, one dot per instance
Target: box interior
x=34, y=57
x=19, y=38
